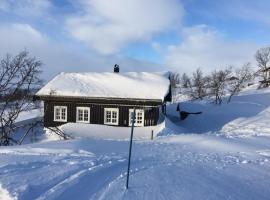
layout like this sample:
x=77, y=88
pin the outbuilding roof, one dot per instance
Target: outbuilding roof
x=132, y=85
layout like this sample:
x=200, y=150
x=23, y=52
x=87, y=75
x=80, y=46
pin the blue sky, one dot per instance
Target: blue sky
x=140, y=35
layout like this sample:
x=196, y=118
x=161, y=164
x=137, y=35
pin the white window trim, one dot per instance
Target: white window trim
x=77, y=114
x=54, y=114
x=117, y=119
x=136, y=114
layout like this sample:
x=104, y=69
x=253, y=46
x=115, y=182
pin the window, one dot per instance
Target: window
x=60, y=113
x=139, y=117
x=83, y=114
x=111, y=116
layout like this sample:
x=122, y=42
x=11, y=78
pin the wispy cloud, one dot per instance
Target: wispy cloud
x=257, y=11
x=206, y=48
x=58, y=57
x=91, y=35
x=108, y=27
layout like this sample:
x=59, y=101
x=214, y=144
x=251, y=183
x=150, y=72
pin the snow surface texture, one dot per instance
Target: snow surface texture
x=138, y=85
x=4, y=195
x=110, y=132
x=29, y=115
x=247, y=114
x=191, y=166
x=223, y=153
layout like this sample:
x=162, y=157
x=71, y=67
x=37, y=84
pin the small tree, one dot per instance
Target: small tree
x=19, y=77
x=198, y=90
x=218, y=84
x=263, y=60
x=242, y=76
x=185, y=81
x=174, y=80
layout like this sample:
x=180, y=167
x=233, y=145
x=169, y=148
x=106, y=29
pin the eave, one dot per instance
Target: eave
x=102, y=100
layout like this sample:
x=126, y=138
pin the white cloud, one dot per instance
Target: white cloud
x=19, y=35
x=58, y=57
x=206, y=48
x=109, y=26
x=257, y=11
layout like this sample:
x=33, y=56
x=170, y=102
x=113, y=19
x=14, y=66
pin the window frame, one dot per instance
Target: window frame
x=54, y=113
x=111, y=110
x=83, y=109
x=136, y=115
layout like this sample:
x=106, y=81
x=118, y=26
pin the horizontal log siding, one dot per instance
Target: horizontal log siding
x=151, y=114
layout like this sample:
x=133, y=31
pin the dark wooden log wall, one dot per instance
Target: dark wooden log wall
x=151, y=114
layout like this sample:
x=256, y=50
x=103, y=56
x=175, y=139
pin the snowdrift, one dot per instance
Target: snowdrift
x=247, y=114
x=80, y=130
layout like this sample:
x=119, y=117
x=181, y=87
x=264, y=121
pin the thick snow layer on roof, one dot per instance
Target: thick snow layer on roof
x=138, y=85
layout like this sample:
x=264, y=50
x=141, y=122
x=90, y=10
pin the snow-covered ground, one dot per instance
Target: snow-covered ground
x=247, y=114
x=174, y=167
x=224, y=153
x=110, y=132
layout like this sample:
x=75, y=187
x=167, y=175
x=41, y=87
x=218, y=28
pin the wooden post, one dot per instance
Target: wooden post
x=130, y=146
x=152, y=134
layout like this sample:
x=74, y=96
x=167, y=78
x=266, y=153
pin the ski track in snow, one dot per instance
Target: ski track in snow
x=224, y=154
x=94, y=177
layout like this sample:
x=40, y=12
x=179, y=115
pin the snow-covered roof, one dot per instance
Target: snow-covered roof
x=133, y=85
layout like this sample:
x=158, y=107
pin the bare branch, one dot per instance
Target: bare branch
x=19, y=77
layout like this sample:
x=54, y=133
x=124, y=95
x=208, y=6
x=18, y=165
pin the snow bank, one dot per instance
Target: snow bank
x=110, y=132
x=247, y=114
x=140, y=85
x=186, y=166
x=29, y=115
x=4, y=194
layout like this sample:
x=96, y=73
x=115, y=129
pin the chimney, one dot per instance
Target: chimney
x=116, y=68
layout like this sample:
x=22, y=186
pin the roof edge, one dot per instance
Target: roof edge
x=97, y=98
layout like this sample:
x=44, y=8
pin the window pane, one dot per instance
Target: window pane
x=63, y=113
x=85, y=115
x=80, y=115
x=108, y=116
x=140, y=117
x=57, y=113
x=114, y=114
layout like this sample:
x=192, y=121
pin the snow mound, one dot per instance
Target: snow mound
x=186, y=166
x=4, y=194
x=138, y=85
x=246, y=115
x=110, y=132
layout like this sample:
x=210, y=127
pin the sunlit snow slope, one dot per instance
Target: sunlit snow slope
x=223, y=153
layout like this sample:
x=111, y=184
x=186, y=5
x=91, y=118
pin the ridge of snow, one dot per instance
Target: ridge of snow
x=138, y=85
x=5, y=195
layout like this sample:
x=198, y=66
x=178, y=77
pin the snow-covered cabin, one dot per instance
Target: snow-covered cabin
x=105, y=98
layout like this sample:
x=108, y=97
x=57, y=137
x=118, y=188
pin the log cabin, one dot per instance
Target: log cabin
x=107, y=98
